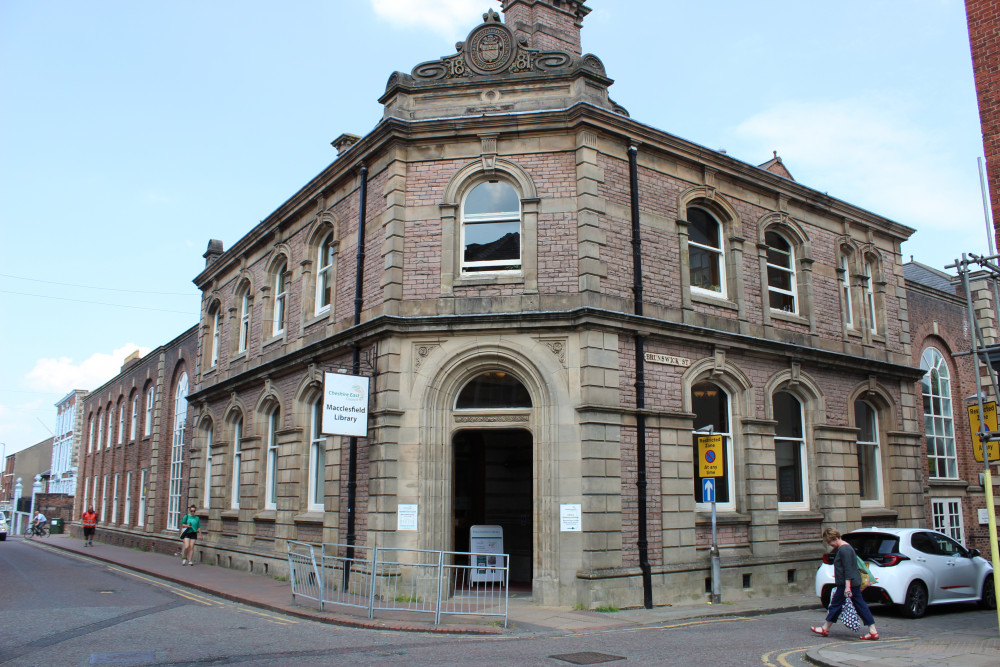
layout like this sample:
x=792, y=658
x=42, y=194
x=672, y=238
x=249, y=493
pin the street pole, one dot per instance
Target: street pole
x=716, y=562
x=984, y=434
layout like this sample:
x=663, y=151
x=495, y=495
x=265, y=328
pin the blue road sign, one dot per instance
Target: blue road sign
x=708, y=490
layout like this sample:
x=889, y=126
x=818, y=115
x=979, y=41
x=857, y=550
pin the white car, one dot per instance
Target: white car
x=915, y=568
x=3, y=526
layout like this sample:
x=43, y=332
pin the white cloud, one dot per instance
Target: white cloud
x=62, y=375
x=869, y=152
x=450, y=18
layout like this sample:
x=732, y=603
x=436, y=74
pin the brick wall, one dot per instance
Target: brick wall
x=984, y=19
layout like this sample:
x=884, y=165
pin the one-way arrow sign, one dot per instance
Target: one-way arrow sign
x=708, y=490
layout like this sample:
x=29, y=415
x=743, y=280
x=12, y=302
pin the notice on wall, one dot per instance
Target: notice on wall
x=345, y=405
x=406, y=517
x=486, y=545
x=984, y=516
x=570, y=518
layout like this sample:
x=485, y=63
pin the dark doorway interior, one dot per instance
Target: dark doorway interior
x=493, y=486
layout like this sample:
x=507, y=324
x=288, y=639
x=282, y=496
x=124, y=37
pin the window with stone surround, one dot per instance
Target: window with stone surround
x=489, y=227
x=245, y=300
x=134, y=423
x=326, y=251
x=121, y=421
x=214, y=333
x=207, y=434
x=706, y=253
x=939, y=427
x=790, y=453
x=846, y=302
x=90, y=438
x=176, y=479
x=279, y=286
x=111, y=425
x=234, y=492
x=869, y=453
x=871, y=308
x=271, y=460
x=710, y=404
x=150, y=404
x=317, y=457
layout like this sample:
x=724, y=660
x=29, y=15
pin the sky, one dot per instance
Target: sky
x=133, y=132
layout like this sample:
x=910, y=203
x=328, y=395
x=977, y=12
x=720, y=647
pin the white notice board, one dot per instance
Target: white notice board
x=570, y=518
x=406, y=517
x=486, y=543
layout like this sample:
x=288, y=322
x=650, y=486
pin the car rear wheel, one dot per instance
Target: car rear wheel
x=915, y=603
x=989, y=597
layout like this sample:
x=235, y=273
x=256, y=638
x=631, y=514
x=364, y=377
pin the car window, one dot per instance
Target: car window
x=947, y=546
x=868, y=545
x=925, y=543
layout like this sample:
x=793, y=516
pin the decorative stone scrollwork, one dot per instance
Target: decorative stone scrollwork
x=493, y=49
x=558, y=348
x=421, y=352
x=593, y=63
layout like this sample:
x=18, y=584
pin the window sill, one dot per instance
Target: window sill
x=946, y=482
x=878, y=513
x=229, y=514
x=792, y=515
x=311, y=516
x=467, y=280
x=266, y=515
x=319, y=317
x=712, y=299
x=785, y=316
x=721, y=518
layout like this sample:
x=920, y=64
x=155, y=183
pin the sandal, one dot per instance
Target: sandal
x=823, y=632
x=871, y=635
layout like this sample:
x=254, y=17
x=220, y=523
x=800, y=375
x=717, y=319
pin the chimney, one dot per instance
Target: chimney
x=549, y=25
x=213, y=253
x=130, y=361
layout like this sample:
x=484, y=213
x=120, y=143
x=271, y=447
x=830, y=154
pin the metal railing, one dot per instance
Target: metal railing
x=407, y=580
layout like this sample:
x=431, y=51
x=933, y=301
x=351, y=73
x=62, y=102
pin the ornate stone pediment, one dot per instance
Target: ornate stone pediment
x=492, y=49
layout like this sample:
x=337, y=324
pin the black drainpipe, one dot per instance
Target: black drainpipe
x=359, y=278
x=640, y=382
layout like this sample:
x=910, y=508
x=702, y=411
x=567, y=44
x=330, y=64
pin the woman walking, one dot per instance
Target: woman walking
x=190, y=524
x=847, y=579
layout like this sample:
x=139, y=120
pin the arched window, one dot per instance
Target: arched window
x=317, y=458
x=870, y=276
x=90, y=439
x=493, y=390
x=134, y=425
x=942, y=460
x=237, y=462
x=706, y=258
x=710, y=404
x=781, y=287
x=100, y=428
x=324, y=275
x=177, y=453
x=491, y=228
x=111, y=425
x=790, y=453
x=244, y=298
x=215, y=334
x=271, y=474
x=280, y=298
x=121, y=421
x=150, y=404
x=869, y=454
x=845, y=292
x=208, y=435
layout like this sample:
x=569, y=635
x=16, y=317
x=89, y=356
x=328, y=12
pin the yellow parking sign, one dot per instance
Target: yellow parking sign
x=710, y=456
x=990, y=419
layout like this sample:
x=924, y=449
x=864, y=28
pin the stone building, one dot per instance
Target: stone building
x=66, y=443
x=134, y=459
x=549, y=297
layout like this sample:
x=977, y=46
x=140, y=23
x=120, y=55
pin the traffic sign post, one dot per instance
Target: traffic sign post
x=710, y=467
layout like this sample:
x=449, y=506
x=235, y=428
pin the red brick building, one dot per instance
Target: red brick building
x=548, y=298
x=134, y=458
x=983, y=17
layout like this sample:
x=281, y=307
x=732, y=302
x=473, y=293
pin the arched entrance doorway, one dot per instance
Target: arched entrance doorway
x=493, y=466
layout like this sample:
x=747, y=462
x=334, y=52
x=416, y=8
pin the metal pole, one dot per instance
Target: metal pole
x=716, y=563
x=983, y=433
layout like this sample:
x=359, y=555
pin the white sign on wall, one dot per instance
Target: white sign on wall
x=570, y=518
x=406, y=517
x=345, y=405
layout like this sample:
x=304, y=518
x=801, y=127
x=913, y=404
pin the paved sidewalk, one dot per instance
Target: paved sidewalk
x=971, y=648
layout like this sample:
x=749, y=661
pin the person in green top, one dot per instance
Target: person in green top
x=190, y=524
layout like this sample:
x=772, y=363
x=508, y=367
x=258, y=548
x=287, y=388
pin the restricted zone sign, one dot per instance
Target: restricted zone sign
x=710, y=456
x=990, y=418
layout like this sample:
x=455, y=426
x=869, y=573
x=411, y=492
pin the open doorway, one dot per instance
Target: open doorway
x=493, y=486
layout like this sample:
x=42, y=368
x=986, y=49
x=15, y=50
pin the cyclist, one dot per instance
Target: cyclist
x=39, y=523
